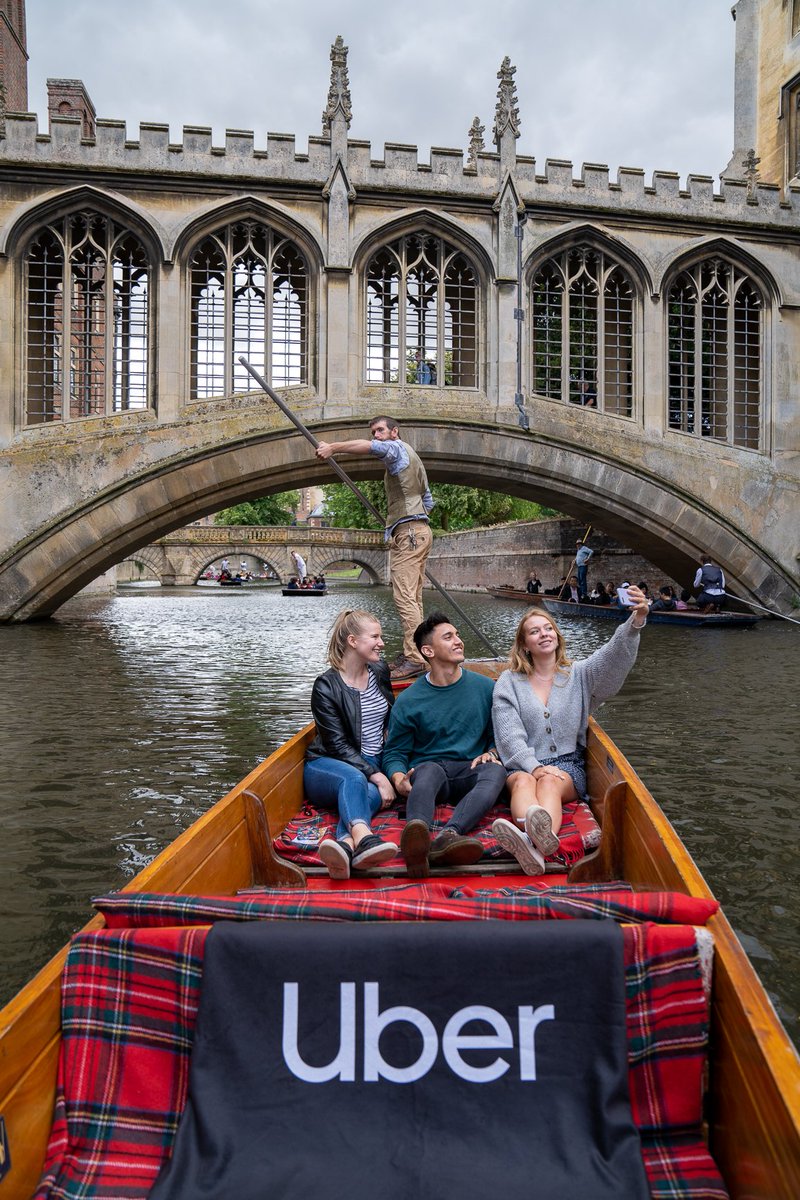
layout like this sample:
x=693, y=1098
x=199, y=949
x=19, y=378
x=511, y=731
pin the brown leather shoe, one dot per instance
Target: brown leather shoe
x=453, y=849
x=415, y=842
x=407, y=668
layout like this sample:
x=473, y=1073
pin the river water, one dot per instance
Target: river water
x=124, y=719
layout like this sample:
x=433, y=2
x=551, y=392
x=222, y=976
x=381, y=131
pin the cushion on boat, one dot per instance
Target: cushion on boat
x=299, y=841
x=130, y=999
x=122, y=909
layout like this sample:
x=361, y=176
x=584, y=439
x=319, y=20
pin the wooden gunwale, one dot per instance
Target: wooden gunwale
x=754, y=1095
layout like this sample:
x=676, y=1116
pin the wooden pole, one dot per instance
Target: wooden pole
x=370, y=507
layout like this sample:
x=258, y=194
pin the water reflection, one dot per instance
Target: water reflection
x=128, y=717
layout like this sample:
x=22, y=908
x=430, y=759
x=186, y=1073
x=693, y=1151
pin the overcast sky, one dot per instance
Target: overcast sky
x=639, y=83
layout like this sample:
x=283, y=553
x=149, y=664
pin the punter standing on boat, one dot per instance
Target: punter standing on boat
x=440, y=750
x=541, y=710
x=351, y=704
x=409, y=502
x=711, y=581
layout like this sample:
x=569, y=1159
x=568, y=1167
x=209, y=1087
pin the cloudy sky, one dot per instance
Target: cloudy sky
x=640, y=83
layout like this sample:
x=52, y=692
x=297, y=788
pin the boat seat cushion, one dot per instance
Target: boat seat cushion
x=299, y=841
x=436, y=901
x=130, y=1000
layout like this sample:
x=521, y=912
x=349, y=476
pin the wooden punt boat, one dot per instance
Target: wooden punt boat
x=754, y=1072
x=312, y=591
x=601, y=612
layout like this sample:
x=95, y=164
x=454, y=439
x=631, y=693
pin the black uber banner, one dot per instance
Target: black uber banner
x=423, y=1061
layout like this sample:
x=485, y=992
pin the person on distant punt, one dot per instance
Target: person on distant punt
x=711, y=581
x=351, y=703
x=440, y=750
x=665, y=601
x=534, y=584
x=541, y=709
x=582, y=556
x=300, y=563
x=409, y=502
x=570, y=591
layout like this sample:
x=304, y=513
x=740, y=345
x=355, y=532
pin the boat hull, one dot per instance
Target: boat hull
x=754, y=1089
x=602, y=612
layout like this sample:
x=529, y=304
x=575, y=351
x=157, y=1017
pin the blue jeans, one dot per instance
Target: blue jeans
x=330, y=783
x=583, y=571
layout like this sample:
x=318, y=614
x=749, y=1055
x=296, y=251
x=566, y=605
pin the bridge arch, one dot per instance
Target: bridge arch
x=29, y=218
x=722, y=247
x=244, y=208
x=578, y=233
x=423, y=220
x=633, y=504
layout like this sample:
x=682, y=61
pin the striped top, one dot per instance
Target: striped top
x=373, y=717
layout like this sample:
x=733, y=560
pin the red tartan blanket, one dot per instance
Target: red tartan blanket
x=405, y=903
x=130, y=1000
x=300, y=840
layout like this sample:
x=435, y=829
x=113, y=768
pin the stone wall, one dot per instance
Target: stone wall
x=474, y=559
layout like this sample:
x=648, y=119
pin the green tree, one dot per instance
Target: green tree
x=457, y=507
x=269, y=510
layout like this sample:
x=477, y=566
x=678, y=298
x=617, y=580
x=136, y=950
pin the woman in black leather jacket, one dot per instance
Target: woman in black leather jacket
x=351, y=704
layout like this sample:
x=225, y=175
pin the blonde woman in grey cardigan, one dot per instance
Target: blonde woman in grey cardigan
x=540, y=711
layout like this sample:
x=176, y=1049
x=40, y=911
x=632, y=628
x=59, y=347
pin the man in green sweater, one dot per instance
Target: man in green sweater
x=440, y=750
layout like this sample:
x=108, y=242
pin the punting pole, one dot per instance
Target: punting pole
x=370, y=507
x=772, y=613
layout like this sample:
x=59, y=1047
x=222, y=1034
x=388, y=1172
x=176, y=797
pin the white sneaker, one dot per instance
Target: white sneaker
x=337, y=857
x=518, y=845
x=539, y=828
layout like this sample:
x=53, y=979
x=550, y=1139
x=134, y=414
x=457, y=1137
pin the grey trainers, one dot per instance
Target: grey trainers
x=539, y=828
x=518, y=846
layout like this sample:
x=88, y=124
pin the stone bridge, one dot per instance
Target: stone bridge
x=79, y=503
x=180, y=558
x=647, y=335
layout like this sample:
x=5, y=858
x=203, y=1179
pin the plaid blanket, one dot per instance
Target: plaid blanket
x=123, y=909
x=300, y=840
x=130, y=1000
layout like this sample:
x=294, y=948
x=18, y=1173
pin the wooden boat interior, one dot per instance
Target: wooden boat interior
x=753, y=1100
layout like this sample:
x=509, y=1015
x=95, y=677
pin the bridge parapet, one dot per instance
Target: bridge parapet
x=273, y=535
x=401, y=168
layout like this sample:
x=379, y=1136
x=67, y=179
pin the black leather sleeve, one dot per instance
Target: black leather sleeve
x=336, y=732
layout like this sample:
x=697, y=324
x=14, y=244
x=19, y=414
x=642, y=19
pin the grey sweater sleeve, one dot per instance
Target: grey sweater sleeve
x=510, y=737
x=606, y=670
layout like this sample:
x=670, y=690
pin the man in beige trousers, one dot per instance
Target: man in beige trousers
x=409, y=501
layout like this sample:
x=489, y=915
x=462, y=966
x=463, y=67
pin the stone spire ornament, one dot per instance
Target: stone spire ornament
x=506, y=115
x=339, y=90
x=476, y=142
x=751, y=172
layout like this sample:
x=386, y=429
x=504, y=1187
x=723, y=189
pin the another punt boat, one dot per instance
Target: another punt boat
x=690, y=618
x=313, y=591
x=753, y=1097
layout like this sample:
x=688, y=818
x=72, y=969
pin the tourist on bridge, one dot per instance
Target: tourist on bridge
x=711, y=581
x=409, y=502
x=541, y=709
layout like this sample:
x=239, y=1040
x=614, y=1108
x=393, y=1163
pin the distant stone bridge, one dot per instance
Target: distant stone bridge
x=180, y=558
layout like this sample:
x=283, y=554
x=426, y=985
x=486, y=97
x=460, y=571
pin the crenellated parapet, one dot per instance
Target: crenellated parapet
x=398, y=168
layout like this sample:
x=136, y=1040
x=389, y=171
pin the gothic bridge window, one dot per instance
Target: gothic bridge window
x=582, y=306
x=87, y=327
x=249, y=296
x=714, y=328
x=422, y=314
